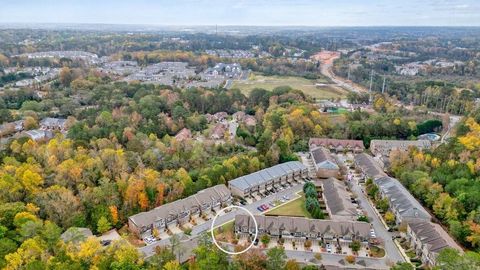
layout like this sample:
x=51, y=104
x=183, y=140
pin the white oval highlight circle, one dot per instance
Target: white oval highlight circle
x=213, y=223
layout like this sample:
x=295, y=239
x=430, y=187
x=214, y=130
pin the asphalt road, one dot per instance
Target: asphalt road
x=390, y=248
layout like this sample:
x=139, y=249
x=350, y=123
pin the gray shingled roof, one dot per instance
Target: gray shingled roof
x=337, y=198
x=401, y=199
x=306, y=226
x=266, y=175
x=323, y=159
x=173, y=208
x=369, y=166
x=433, y=236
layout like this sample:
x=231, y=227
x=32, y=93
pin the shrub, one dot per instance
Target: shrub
x=350, y=259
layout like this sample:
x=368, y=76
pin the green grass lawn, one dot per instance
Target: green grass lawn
x=295, y=208
x=306, y=86
x=377, y=252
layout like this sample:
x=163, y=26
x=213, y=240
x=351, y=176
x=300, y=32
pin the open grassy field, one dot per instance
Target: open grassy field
x=295, y=208
x=309, y=87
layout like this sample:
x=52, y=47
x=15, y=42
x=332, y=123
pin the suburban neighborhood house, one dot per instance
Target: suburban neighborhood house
x=325, y=164
x=335, y=145
x=384, y=147
x=183, y=135
x=259, y=182
x=302, y=229
x=49, y=123
x=179, y=212
x=337, y=200
x=428, y=239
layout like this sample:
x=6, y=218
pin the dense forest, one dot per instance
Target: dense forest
x=446, y=180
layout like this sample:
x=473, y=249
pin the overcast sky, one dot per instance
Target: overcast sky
x=245, y=12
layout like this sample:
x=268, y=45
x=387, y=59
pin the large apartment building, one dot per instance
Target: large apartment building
x=301, y=229
x=181, y=211
x=267, y=179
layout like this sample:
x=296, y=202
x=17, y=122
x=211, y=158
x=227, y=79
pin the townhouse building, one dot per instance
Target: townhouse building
x=335, y=145
x=384, y=147
x=368, y=167
x=181, y=211
x=402, y=203
x=337, y=200
x=302, y=229
x=428, y=239
x=267, y=179
x=325, y=165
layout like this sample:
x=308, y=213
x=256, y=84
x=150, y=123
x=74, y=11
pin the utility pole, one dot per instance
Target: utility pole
x=370, y=89
x=383, y=86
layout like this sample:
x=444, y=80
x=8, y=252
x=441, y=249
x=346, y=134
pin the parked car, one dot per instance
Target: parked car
x=260, y=209
x=329, y=248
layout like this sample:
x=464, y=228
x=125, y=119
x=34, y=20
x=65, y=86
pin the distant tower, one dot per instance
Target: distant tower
x=383, y=86
x=370, y=89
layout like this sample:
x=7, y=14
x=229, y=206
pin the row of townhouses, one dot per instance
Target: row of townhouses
x=425, y=237
x=336, y=145
x=402, y=203
x=337, y=200
x=267, y=179
x=368, y=167
x=301, y=229
x=428, y=239
x=181, y=211
x=384, y=147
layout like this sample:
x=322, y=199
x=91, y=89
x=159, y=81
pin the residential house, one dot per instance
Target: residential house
x=38, y=134
x=218, y=131
x=227, y=70
x=181, y=211
x=52, y=124
x=302, y=229
x=428, y=239
x=220, y=116
x=325, y=164
x=239, y=116
x=250, y=121
x=183, y=135
x=267, y=179
x=11, y=128
x=335, y=145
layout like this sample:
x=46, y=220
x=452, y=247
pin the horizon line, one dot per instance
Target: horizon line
x=228, y=25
